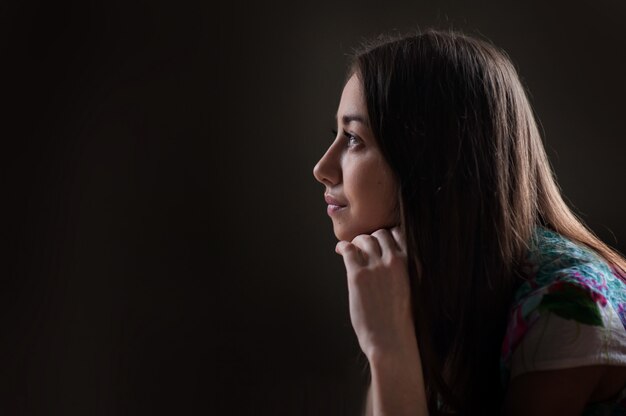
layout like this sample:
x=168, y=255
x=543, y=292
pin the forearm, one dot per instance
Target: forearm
x=397, y=386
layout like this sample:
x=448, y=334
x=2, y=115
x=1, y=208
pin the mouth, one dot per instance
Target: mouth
x=330, y=200
x=334, y=205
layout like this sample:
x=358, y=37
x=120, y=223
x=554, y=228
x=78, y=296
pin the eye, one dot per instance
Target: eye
x=352, y=139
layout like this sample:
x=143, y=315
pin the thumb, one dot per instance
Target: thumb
x=340, y=247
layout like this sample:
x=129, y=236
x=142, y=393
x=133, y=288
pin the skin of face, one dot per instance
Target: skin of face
x=355, y=173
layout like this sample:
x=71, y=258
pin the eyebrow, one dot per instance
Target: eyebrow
x=348, y=118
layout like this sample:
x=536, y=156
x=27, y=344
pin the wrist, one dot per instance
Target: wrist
x=399, y=358
x=402, y=348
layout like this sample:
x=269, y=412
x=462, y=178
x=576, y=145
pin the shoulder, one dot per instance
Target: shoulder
x=566, y=334
x=569, y=281
x=552, y=258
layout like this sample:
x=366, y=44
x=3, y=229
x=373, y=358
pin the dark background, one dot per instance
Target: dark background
x=286, y=344
x=165, y=246
x=106, y=133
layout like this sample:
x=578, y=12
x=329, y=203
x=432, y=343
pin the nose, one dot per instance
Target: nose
x=328, y=170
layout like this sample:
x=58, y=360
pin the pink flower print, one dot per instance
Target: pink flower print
x=517, y=329
x=621, y=312
x=595, y=295
x=556, y=286
x=598, y=298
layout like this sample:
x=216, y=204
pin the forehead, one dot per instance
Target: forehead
x=352, y=99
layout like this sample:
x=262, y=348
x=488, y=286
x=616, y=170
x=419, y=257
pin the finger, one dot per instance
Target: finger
x=386, y=241
x=368, y=245
x=351, y=254
x=398, y=236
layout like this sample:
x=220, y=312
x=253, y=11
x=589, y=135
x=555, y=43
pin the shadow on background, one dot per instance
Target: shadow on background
x=105, y=133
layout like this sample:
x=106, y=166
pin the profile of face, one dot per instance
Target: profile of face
x=361, y=190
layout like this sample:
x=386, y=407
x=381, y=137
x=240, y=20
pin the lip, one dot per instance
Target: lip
x=334, y=204
x=331, y=209
x=333, y=201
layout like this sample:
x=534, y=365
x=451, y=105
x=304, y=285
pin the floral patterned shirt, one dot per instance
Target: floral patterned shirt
x=570, y=312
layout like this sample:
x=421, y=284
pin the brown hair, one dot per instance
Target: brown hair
x=454, y=123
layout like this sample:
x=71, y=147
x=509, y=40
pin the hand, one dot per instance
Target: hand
x=379, y=291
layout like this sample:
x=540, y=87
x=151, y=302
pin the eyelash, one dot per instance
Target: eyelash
x=347, y=136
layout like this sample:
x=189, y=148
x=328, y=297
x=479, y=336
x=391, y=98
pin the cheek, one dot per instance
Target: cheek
x=374, y=190
x=382, y=181
x=370, y=189
x=388, y=194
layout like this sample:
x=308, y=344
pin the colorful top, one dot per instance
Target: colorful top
x=570, y=312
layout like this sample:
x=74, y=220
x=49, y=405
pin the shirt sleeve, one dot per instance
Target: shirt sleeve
x=554, y=342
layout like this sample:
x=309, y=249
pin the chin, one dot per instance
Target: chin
x=343, y=234
x=347, y=234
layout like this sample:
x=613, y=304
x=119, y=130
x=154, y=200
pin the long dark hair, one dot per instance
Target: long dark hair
x=454, y=123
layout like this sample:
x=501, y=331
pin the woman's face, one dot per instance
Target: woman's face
x=361, y=190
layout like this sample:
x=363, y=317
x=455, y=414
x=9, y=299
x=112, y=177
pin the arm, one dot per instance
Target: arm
x=543, y=378
x=563, y=392
x=380, y=311
x=397, y=386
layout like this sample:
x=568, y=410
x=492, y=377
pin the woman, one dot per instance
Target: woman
x=470, y=279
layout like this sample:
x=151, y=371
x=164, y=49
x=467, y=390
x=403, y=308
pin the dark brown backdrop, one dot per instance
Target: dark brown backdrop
x=105, y=207
x=285, y=344
x=166, y=248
